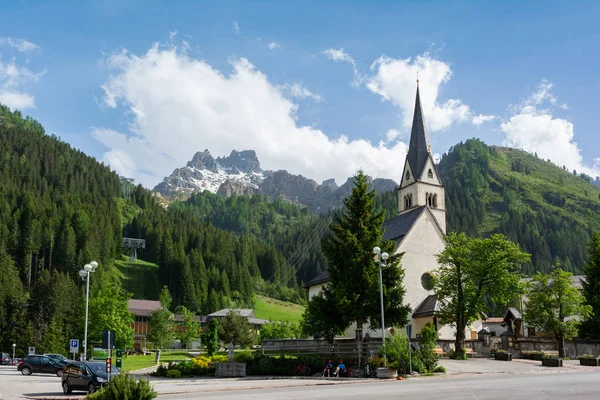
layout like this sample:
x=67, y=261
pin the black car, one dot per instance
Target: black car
x=58, y=357
x=40, y=364
x=5, y=359
x=87, y=376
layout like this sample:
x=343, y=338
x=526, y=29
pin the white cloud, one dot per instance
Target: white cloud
x=12, y=79
x=178, y=105
x=536, y=129
x=395, y=81
x=236, y=27
x=480, y=119
x=392, y=135
x=299, y=91
x=19, y=44
x=339, y=55
x=273, y=46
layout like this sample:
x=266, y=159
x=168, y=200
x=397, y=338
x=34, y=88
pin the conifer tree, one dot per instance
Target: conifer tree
x=591, y=288
x=352, y=293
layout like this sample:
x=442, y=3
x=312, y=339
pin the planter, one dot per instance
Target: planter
x=590, y=362
x=231, y=370
x=503, y=356
x=386, y=373
x=552, y=362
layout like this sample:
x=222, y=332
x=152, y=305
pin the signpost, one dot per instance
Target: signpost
x=31, y=351
x=409, y=334
x=74, y=347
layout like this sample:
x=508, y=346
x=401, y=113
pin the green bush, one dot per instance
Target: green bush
x=440, y=369
x=125, y=387
x=173, y=373
x=244, y=356
x=427, y=342
x=461, y=354
x=587, y=356
x=396, y=351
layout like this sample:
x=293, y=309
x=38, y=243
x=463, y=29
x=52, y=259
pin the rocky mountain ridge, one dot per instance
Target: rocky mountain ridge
x=240, y=174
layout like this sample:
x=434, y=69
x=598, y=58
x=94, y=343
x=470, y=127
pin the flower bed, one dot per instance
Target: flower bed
x=502, y=355
x=533, y=355
x=552, y=362
x=589, y=360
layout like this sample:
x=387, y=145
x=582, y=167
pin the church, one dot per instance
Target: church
x=418, y=232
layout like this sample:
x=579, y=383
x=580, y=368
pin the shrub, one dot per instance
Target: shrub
x=160, y=371
x=219, y=359
x=124, y=387
x=375, y=362
x=440, y=369
x=461, y=354
x=501, y=352
x=396, y=351
x=173, y=373
x=244, y=356
x=587, y=356
x=427, y=342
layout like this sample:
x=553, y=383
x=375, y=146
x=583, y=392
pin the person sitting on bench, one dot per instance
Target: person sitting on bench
x=341, y=369
x=328, y=368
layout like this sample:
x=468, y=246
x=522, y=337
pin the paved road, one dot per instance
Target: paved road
x=570, y=386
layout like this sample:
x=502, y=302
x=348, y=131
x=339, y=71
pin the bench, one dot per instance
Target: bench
x=470, y=353
x=439, y=352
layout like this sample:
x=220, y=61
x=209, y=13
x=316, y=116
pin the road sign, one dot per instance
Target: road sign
x=74, y=345
x=31, y=351
x=108, y=339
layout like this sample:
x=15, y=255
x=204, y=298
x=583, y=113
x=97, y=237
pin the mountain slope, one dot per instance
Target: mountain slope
x=549, y=211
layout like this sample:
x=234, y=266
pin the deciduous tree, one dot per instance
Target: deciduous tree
x=191, y=328
x=555, y=305
x=161, y=322
x=473, y=271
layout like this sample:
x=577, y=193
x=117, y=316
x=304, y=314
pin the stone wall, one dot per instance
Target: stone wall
x=573, y=348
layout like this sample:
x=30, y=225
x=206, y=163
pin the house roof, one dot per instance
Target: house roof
x=493, y=320
x=257, y=321
x=427, y=308
x=397, y=228
x=244, y=312
x=512, y=311
x=322, y=278
x=143, y=308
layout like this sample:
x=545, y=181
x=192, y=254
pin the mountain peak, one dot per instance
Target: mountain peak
x=203, y=160
x=244, y=161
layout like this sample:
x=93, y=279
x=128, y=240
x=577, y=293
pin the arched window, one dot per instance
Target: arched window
x=430, y=173
x=434, y=202
x=408, y=175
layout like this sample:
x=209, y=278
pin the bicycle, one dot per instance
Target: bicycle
x=302, y=370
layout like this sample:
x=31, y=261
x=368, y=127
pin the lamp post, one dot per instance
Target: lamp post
x=14, y=346
x=85, y=274
x=380, y=259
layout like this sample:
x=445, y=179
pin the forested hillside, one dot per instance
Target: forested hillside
x=548, y=210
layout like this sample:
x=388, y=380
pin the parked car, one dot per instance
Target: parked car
x=58, y=357
x=40, y=364
x=87, y=376
x=5, y=359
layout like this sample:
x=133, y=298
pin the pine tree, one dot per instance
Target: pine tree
x=591, y=288
x=353, y=290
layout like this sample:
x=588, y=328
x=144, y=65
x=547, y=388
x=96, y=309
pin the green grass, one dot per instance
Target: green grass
x=132, y=363
x=277, y=310
x=140, y=278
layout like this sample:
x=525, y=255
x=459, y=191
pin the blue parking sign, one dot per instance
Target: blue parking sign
x=74, y=346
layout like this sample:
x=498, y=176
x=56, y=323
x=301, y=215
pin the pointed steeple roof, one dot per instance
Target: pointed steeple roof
x=418, y=150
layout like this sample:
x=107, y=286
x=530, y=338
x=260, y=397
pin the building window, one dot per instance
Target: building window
x=427, y=281
x=434, y=201
x=408, y=201
x=430, y=174
x=408, y=175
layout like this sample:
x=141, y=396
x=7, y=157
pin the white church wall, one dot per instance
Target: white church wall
x=314, y=290
x=421, y=245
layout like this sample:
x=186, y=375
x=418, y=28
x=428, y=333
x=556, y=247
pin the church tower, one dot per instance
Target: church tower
x=421, y=185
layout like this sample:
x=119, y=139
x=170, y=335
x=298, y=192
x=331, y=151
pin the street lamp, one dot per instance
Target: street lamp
x=85, y=274
x=14, y=346
x=380, y=258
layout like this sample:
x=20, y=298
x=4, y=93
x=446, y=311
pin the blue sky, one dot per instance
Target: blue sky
x=317, y=88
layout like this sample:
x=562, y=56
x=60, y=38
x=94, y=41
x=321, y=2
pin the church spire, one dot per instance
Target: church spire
x=419, y=148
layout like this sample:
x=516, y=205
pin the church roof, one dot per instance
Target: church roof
x=396, y=228
x=418, y=150
x=324, y=277
x=427, y=308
